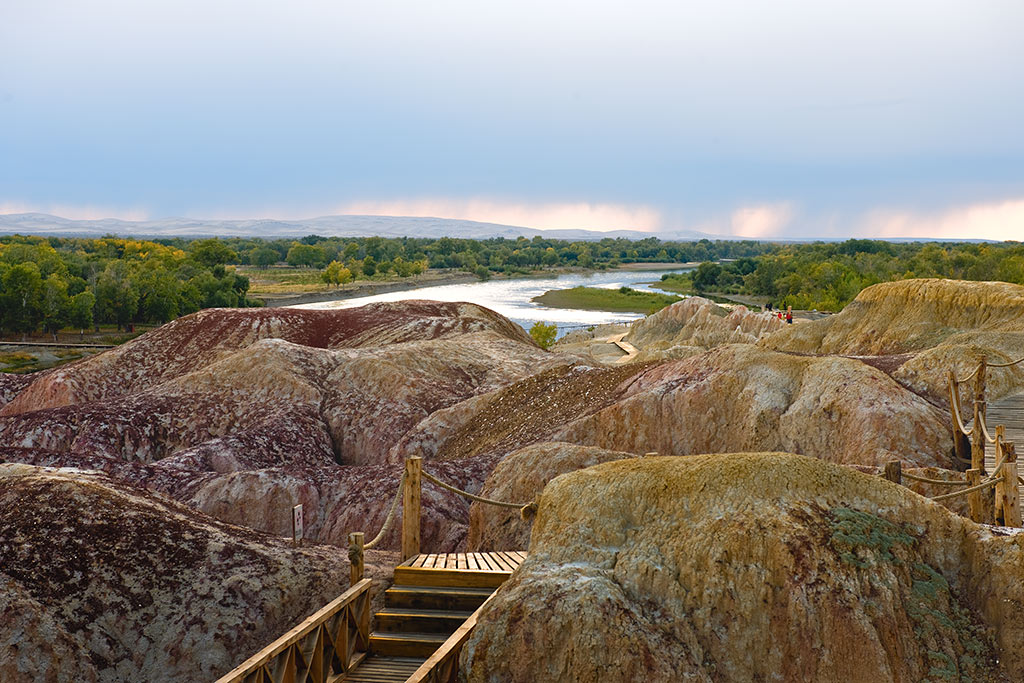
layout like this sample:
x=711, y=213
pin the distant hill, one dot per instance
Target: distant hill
x=326, y=226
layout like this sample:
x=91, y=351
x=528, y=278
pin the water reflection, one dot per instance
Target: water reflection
x=511, y=298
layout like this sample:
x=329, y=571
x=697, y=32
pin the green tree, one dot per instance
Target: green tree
x=212, y=252
x=544, y=334
x=158, y=296
x=54, y=304
x=306, y=255
x=80, y=311
x=336, y=274
x=22, y=298
x=369, y=266
x=117, y=299
x=264, y=257
x=706, y=276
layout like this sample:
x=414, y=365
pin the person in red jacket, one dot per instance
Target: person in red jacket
x=789, y=315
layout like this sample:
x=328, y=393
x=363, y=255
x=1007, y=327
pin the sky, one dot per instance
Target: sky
x=790, y=118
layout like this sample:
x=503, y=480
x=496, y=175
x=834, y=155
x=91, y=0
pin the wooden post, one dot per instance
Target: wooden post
x=974, y=502
x=894, y=471
x=961, y=443
x=978, y=438
x=411, y=508
x=355, y=557
x=1007, y=491
x=980, y=411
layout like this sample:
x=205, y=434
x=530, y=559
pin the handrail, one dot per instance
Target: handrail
x=984, y=428
x=330, y=642
x=443, y=665
x=992, y=481
x=954, y=402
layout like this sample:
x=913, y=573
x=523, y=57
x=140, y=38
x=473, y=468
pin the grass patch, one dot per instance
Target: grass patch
x=17, y=361
x=624, y=299
x=680, y=283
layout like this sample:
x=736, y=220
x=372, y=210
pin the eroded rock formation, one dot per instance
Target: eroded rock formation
x=520, y=477
x=696, y=324
x=101, y=581
x=747, y=567
x=245, y=413
x=931, y=326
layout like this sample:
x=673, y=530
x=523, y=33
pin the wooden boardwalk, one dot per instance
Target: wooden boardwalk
x=430, y=612
x=433, y=597
x=1008, y=412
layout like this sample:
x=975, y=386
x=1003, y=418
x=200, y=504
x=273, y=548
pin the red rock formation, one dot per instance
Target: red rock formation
x=102, y=581
x=217, y=411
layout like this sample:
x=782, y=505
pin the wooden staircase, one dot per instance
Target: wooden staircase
x=432, y=596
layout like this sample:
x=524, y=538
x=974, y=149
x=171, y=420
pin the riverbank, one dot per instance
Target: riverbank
x=362, y=288
x=624, y=300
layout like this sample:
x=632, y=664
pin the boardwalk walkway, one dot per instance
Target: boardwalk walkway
x=1010, y=413
x=430, y=612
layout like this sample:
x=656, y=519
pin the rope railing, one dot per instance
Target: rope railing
x=938, y=482
x=1005, y=365
x=960, y=380
x=479, y=499
x=984, y=428
x=391, y=515
x=409, y=489
x=954, y=403
x=970, y=489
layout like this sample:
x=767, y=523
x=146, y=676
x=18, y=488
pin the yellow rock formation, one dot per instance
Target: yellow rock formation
x=744, y=567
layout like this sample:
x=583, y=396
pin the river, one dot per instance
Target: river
x=512, y=297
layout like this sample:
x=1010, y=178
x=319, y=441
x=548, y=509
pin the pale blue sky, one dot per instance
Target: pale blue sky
x=791, y=117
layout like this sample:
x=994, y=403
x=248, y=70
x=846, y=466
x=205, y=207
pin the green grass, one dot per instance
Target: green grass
x=623, y=299
x=680, y=283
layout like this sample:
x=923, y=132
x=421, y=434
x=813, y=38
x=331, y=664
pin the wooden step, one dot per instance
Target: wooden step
x=443, y=598
x=384, y=669
x=421, y=576
x=406, y=644
x=394, y=619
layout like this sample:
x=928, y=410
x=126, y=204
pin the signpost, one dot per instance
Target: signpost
x=297, y=524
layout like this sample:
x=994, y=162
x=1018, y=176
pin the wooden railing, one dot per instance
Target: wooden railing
x=991, y=497
x=443, y=665
x=322, y=649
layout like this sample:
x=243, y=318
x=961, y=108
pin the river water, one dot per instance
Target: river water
x=511, y=298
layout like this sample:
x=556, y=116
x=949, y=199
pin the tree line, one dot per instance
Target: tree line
x=53, y=283
x=828, y=275
x=56, y=282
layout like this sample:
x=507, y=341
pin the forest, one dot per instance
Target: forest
x=57, y=282
x=54, y=283
x=826, y=276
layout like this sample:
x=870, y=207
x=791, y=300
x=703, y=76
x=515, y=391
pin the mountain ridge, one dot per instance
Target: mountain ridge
x=348, y=225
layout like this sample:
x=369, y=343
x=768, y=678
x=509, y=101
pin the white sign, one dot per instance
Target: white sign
x=297, y=524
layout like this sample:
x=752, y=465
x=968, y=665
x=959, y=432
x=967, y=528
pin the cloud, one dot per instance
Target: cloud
x=543, y=216
x=762, y=221
x=75, y=212
x=1002, y=220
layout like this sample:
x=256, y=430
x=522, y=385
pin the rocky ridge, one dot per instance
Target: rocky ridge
x=105, y=582
x=692, y=564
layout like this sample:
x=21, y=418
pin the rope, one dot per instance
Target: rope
x=1001, y=462
x=940, y=482
x=984, y=428
x=964, y=379
x=970, y=489
x=479, y=499
x=1005, y=365
x=954, y=402
x=390, y=518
